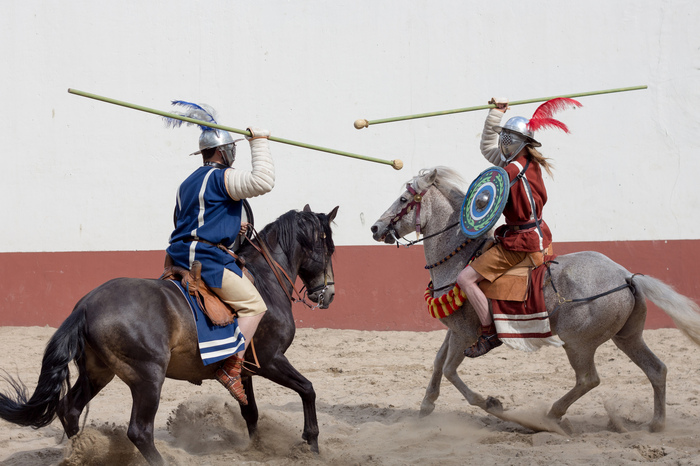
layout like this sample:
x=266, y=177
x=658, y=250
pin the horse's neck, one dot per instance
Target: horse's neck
x=437, y=248
x=259, y=267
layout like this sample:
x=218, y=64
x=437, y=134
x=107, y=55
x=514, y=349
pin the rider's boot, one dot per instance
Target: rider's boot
x=229, y=374
x=487, y=341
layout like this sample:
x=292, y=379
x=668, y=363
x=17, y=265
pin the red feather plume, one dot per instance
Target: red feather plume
x=542, y=118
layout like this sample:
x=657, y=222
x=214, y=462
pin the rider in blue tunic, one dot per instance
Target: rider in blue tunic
x=204, y=211
x=208, y=220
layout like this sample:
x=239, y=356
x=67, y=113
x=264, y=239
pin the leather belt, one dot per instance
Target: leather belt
x=526, y=226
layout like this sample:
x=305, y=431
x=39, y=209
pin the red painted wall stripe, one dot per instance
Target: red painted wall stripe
x=378, y=287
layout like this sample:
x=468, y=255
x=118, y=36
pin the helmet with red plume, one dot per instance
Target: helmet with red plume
x=519, y=131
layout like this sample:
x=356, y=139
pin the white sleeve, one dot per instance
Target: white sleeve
x=242, y=184
x=489, y=138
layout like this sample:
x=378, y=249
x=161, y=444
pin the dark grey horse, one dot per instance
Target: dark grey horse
x=582, y=326
x=142, y=331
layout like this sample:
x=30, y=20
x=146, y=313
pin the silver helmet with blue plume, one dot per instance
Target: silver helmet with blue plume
x=210, y=137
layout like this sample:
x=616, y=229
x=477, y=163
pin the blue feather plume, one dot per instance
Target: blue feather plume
x=195, y=111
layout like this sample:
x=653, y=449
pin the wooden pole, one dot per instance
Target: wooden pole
x=362, y=123
x=396, y=164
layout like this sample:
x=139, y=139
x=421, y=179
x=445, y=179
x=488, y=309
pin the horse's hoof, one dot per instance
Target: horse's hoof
x=656, y=426
x=566, y=426
x=312, y=441
x=493, y=405
x=426, y=409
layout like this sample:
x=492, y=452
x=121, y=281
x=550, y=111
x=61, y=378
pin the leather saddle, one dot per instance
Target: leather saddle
x=513, y=285
x=218, y=311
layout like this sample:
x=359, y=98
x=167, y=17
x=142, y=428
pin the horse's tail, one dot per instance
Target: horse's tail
x=684, y=311
x=65, y=345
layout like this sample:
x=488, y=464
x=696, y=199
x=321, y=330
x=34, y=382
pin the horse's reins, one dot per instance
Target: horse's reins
x=417, y=199
x=264, y=250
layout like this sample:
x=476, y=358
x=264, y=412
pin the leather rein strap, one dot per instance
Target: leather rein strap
x=264, y=250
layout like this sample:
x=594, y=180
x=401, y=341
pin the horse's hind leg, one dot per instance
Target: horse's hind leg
x=631, y=342
x=145, y=389
x=71, y=406
x=280, y=371
x=582, y=361
x=655, y=370
x=433, y=390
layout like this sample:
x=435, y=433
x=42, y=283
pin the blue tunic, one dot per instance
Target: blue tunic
x=204, y=210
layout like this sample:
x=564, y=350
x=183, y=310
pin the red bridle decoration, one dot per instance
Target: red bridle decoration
x=417, y=198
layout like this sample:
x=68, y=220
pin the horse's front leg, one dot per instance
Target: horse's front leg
x=433, y=391
x=281, y=371
x=250, y=411
x=456, y=345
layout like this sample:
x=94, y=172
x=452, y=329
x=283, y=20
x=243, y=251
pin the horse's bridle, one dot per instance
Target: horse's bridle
x=264, y=250
x=415, y=202
x=417, y=199
x=326, y=283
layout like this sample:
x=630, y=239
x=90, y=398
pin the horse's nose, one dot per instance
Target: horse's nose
x=374, y=228
x=327, y=297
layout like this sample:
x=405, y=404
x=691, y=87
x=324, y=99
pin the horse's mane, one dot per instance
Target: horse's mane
x=448, y=181
x=298, y=226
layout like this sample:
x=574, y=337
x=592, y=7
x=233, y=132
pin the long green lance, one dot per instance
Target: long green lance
x=396, y=164
x=362, y=123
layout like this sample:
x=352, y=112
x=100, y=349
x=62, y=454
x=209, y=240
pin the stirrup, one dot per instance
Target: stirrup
x=483, y=345
x=229, y=374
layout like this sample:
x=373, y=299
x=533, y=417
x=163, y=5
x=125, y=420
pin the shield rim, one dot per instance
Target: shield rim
x=501, y=206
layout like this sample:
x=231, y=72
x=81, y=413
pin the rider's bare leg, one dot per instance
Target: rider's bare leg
x=468, y=280
x=248, y=325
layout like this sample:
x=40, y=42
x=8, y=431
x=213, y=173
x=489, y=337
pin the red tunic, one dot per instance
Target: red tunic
x=518, y=212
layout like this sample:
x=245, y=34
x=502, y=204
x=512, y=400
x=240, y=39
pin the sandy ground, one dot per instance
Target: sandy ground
x=369, y=387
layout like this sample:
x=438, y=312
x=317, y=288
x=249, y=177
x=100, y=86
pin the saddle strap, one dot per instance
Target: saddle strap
x=563, y=300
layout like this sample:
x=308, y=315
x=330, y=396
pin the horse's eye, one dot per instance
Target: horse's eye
x=403, y=200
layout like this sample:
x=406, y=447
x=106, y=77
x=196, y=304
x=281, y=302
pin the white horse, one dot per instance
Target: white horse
x=582, y=326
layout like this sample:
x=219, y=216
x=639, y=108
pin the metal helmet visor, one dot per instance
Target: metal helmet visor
x=511, y=143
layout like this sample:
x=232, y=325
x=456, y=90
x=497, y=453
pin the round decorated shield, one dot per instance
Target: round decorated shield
x=484, y=202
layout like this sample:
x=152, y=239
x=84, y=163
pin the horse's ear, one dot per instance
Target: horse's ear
x=307, y=208
x=431, y=177
x=332, y=214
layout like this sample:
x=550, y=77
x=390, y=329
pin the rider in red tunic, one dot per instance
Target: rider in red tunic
x=525, y=233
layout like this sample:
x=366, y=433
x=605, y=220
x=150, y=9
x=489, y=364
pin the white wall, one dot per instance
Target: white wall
x=79, y=174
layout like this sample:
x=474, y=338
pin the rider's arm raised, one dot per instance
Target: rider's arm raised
x=489, y=138
x=242, y=184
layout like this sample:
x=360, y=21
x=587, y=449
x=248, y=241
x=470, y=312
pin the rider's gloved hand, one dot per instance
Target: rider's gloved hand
x=501, y=103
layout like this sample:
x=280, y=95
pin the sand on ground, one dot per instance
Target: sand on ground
x=369, y=387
